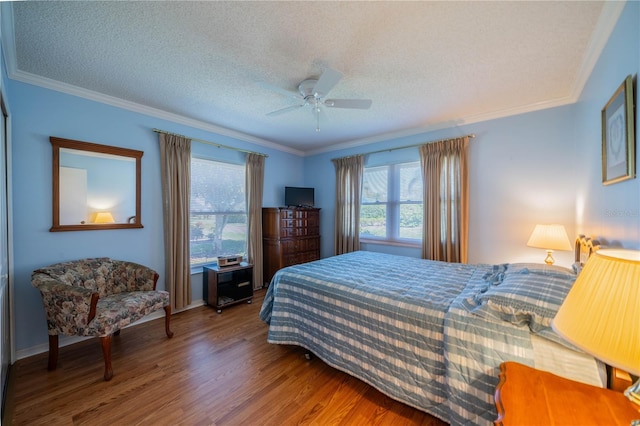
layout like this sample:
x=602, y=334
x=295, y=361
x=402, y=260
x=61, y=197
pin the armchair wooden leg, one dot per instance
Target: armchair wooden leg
x=53, y=352
x=167, y=321
x=106, y=352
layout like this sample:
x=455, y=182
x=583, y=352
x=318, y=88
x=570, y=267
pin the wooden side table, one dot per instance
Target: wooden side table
x=526, y=396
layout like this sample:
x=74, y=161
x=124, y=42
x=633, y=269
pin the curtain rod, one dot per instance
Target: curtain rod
x=470, y=136
x=218, y=145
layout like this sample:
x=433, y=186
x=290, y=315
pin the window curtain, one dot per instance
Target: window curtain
x=445, y=178
x=175, y=164
x=254, y=188
x=347, y=214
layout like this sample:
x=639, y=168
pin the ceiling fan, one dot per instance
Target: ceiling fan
x=312, y=92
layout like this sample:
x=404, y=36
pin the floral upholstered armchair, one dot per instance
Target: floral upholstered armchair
x=97, y=297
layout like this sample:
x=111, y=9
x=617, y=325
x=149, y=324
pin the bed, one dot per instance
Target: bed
x=429, y=334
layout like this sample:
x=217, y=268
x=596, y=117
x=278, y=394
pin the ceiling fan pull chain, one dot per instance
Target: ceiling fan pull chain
x=317, y=118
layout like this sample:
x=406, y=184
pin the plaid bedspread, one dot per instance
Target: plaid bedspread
x=386, y=320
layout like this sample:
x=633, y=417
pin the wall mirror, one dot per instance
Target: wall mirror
x=95, y=186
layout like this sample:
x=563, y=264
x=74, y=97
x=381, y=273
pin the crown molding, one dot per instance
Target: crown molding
x=450, y=124
x=611, y=11
x=8, y=39
x=146, y=110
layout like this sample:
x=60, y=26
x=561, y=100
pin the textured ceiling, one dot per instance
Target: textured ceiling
x=423, y=64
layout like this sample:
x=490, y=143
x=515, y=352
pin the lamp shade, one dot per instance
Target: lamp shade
x=601, y=313
x=104, y=217
x=549, y=237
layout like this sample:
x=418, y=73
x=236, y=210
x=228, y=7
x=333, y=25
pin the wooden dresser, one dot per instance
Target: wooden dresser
x=289, y=236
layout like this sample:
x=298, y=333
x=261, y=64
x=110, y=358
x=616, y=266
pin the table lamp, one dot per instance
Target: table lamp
x=601, y=313
x=550, y=238
x=104, y=217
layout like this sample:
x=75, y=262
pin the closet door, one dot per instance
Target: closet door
x=5, y=328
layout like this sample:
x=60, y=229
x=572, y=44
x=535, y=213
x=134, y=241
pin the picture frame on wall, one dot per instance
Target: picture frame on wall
x=618, y=138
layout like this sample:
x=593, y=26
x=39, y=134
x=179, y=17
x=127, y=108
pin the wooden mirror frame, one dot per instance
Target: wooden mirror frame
x=56, y=144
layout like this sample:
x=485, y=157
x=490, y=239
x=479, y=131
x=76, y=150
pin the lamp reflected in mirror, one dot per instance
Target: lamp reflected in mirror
x=104, y=217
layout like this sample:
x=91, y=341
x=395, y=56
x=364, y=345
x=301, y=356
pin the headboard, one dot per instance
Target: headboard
x=584, y=248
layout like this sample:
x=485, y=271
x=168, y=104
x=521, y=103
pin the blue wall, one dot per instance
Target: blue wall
x=36, y=114
x=611, y=212
x=520, y=174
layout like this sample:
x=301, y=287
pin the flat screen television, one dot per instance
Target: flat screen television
x=298, y=197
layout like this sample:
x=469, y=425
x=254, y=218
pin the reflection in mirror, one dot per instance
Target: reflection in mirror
x=94, y=186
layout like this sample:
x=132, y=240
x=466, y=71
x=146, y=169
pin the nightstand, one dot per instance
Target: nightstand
x=526, y=396
x=227, y=285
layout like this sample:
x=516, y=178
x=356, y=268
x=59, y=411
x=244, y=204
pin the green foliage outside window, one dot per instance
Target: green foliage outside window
x=218, y=220
x=391, y=206
x=373, y=220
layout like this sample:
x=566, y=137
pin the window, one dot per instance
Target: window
x=218, y=220
x=391, y=208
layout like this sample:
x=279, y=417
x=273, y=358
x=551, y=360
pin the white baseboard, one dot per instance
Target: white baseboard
x=70, y=340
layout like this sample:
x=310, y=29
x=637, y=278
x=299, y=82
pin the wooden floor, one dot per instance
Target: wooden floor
x=217, y=370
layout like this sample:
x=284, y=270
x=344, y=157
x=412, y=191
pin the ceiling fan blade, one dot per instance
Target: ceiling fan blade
x=284, y=110
x=327, y=80
x=285, y=92
x=348, y=103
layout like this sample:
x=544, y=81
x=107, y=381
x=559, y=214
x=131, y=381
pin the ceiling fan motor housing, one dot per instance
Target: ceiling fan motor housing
x=306, y=89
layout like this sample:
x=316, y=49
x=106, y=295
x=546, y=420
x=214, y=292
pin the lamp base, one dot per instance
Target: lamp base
x=549, y=259
x=633, y=392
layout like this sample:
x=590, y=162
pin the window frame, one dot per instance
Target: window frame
x=392, y=208
x=212, y=261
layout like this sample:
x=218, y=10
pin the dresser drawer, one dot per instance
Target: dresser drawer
x=293, y=246
x=287, y=214
x=299, y=232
